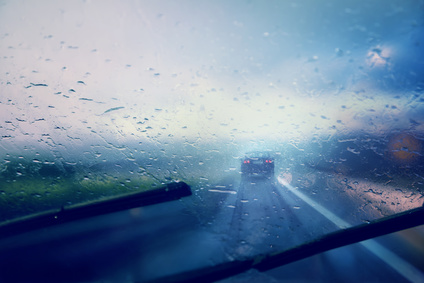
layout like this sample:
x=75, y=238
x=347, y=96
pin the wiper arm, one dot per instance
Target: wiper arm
x=380, y=227
x=172, y=191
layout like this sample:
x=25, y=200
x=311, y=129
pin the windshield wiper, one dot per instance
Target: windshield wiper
x=341, y=238
x=169, y=192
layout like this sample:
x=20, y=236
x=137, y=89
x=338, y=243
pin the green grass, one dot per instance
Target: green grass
x=29, y=188
x=27, y=195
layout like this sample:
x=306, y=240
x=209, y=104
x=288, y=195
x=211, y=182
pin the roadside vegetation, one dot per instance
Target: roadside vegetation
x=27, y=188
x=32, y=186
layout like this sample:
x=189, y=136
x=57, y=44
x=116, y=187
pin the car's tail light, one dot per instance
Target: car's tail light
x=268, y=161
x=246, y=161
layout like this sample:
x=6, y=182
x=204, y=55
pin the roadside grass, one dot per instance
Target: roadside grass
x=369, y=194
x=28, y=195
x=30, y=188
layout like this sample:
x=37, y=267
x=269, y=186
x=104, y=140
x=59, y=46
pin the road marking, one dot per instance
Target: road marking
x=223, y=191
x=328, y=214
x=403, y=267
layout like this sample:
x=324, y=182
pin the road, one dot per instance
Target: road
x=275, y=215
x=266, y=217
x=227, y=221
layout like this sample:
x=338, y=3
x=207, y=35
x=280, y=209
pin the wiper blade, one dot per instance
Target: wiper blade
x=169, y=192
x=377, y=228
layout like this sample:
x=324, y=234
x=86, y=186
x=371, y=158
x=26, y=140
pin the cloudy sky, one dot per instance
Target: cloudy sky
x=109, y=72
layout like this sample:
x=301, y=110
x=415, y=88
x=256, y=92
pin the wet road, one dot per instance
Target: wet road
x=276, y=215
x=267, y=218
x=222, y=223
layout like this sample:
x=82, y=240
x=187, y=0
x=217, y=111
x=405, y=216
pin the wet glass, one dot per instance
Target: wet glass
x=99, y=99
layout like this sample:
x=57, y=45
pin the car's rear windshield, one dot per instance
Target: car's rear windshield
x=258, y=154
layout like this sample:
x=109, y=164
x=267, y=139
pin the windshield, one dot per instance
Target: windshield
x=106, y=98
x=258, y=154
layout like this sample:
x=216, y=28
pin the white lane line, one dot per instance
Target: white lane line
x=403, y=267
x=328, y=214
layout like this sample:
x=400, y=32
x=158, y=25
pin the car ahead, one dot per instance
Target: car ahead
x=257, y=164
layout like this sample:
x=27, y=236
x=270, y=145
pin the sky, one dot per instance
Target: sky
x=96, y=73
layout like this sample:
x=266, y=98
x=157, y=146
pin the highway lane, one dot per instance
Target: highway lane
x=274, y=215
x=383, y=260
x=267, y=219
x=221, y=223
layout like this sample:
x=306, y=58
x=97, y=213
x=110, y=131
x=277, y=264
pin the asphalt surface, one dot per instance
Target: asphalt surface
x=276, y=215
x=225, y=222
